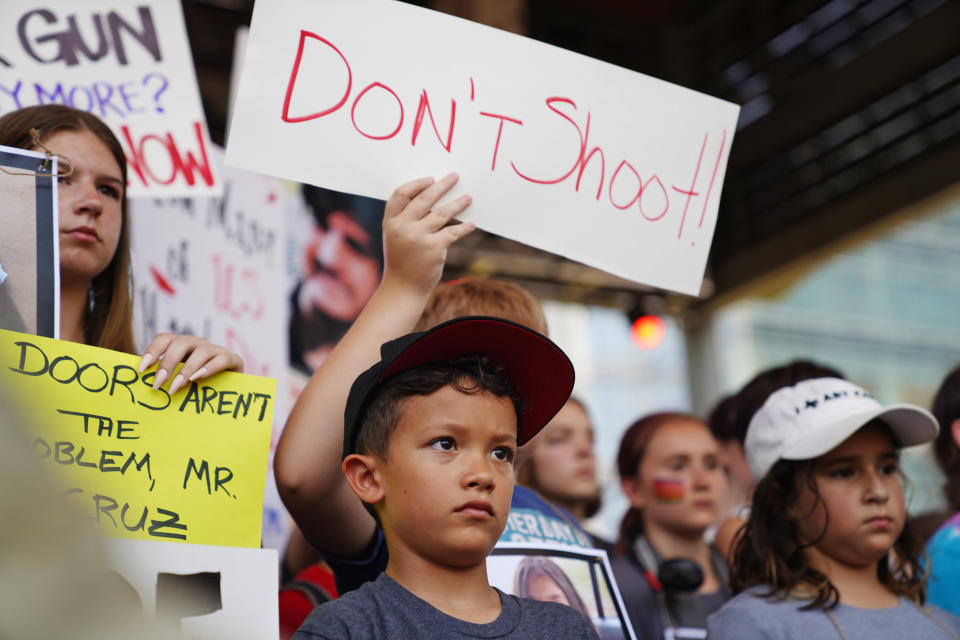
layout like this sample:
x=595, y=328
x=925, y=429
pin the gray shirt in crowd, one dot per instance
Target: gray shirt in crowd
x=384, y=609
x=749, y=616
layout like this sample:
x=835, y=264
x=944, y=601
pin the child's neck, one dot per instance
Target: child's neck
x=692, y=547
x=463, y=593
x=857, y=585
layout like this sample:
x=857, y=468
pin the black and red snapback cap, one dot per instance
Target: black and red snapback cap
x=537, y=368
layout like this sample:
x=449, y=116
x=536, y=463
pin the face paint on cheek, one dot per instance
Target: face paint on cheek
x=668, y=489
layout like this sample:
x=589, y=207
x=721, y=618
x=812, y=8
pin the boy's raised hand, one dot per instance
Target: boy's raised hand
x=415, y=234
x=307, y=461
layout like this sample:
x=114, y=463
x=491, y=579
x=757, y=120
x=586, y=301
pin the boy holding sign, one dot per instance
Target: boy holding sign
x=430, y=435
x=308, y=455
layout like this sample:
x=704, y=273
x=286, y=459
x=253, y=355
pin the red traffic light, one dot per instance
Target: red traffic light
x=647, y=332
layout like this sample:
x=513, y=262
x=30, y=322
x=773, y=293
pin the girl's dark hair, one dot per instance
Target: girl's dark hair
x=946, y=409
x=633, y=446
x=768, y=550
x=108, y=321
x=527, y=477
x=533, y=566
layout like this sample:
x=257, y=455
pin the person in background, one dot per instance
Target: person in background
x=342, y=263
x=729, y=421
x=95, y=302
x=560, y=465
x=671, y=471
x=828, y=551
x=943, y=550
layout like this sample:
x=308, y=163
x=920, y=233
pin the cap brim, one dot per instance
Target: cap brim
x=910, y=425
x=537, y=368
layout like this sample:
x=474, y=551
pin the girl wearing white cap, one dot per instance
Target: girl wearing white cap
x=827, y=552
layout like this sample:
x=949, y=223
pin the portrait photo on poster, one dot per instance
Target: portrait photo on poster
x=580, y=578
x=29, y=247
x=337, y=246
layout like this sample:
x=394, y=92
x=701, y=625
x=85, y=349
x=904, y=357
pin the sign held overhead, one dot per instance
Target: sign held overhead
x=562, y=152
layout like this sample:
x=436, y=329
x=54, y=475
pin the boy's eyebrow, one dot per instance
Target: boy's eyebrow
x=460, y=427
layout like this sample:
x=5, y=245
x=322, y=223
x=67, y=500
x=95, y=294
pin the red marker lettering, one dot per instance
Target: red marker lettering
x=549, y=102
x=180, y=165
x=666, y=199
x=613, y=180
x=693, y=183
x=496, y=147
x=293, y=79
x=424, y=108
x=641, y=191
x=161, y=281
x=353, y=110
x=585, y=159
x=723, y=143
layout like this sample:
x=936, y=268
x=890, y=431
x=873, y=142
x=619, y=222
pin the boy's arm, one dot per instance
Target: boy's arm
x=307, y=462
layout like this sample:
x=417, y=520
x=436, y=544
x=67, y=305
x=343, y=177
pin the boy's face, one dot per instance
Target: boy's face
x=448, y=477
x=859, y=487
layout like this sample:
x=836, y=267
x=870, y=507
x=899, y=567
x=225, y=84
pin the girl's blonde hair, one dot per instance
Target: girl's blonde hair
x=482, y=297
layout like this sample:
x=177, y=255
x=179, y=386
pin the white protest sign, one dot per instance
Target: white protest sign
x=560, y=151
x=126, y=62
x=215, y=267
x=202, y=592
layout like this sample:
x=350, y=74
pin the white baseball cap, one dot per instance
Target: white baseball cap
x=814, y=416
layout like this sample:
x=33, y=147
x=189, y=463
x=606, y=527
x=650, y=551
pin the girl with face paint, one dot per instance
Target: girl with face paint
x=671, y=471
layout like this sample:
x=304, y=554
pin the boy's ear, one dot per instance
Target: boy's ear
x=955, y=431
x=632, y=491
x=363, y=476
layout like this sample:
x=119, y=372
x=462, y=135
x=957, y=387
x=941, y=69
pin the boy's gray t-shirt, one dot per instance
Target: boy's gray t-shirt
x=384, y=609
x=749, y=616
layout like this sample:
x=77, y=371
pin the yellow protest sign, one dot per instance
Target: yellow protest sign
x=144, y=464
